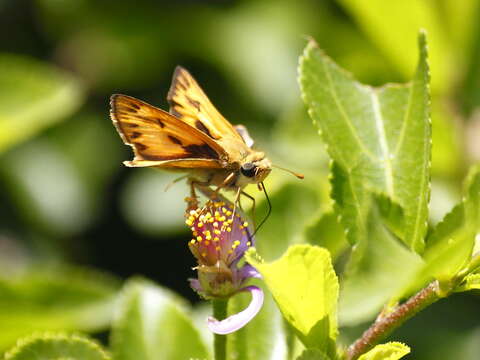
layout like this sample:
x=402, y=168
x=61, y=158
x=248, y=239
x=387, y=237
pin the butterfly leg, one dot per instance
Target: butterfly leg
x=253, y=207
x=174, y=181
x=225, y=183
x=192, y=201
x=235, y=202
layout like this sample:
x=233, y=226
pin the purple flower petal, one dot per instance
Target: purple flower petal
x=195, y=285
x=248, y=271
x=237, y=321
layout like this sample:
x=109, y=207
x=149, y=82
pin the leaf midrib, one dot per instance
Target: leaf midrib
x=334, y=95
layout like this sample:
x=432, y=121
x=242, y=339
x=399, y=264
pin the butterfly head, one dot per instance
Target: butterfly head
x=255, y=168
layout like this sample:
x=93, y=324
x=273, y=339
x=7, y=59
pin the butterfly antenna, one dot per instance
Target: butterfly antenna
x=298, y=175
x=269, y=209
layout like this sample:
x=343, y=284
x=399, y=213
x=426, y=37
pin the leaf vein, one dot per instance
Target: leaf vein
x=379, y=122
x=344, y=114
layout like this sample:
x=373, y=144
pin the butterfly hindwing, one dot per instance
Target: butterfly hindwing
x=157, y=136
x=189, y=103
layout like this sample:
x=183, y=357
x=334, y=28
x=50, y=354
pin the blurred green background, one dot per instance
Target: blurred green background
x=67, y=203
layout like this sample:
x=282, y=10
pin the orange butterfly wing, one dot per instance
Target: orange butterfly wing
x=160, y=139
x=189, y=103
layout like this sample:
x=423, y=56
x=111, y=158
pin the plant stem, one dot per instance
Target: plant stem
x=385, y=324
x=220, y=341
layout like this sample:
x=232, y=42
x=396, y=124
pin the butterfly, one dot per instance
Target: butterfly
x=193, y=137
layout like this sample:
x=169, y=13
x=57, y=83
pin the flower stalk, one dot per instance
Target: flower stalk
x=220, y=341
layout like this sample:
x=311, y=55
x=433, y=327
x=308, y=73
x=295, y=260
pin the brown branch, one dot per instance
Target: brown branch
x=385, y=324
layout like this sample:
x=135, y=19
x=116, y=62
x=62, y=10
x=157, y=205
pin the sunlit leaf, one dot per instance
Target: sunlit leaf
x=380, y=138
x=388, y=351
x=153, y=323
x=50, y=346
x=305, y=287
x=34, y=95
x=57, y=299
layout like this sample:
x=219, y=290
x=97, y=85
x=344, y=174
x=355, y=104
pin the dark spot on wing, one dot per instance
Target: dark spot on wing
x=199, y=125
x=131, y=125
x=181, y=86
x=201, y=151
x=194, y=103
x=140, y=146
x=175, y=113
x=130, y=110
x=133, y=105
x=160, y=122
x=175, y=140
x=135, y=135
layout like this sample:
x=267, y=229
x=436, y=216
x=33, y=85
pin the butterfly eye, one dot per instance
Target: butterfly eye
x=248, y=169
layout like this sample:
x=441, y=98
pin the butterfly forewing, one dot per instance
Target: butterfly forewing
x=189, y=103
x=156, y=135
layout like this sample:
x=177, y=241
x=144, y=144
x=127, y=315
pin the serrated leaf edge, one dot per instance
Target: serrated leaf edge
x=48, y=336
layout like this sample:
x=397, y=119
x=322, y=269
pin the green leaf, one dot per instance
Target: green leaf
x=470, y=282
x=380, y=138
x=61, y=298
x=451, y=243
x=379, y=267
x=38, y=96
x=246, y=343
x=57, y=347
x=313, y=354
x=388, y=351
x=305, y=287
x=153, y=323
x=325, y=231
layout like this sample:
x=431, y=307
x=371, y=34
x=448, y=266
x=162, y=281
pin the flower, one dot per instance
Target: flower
x=220, y=239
